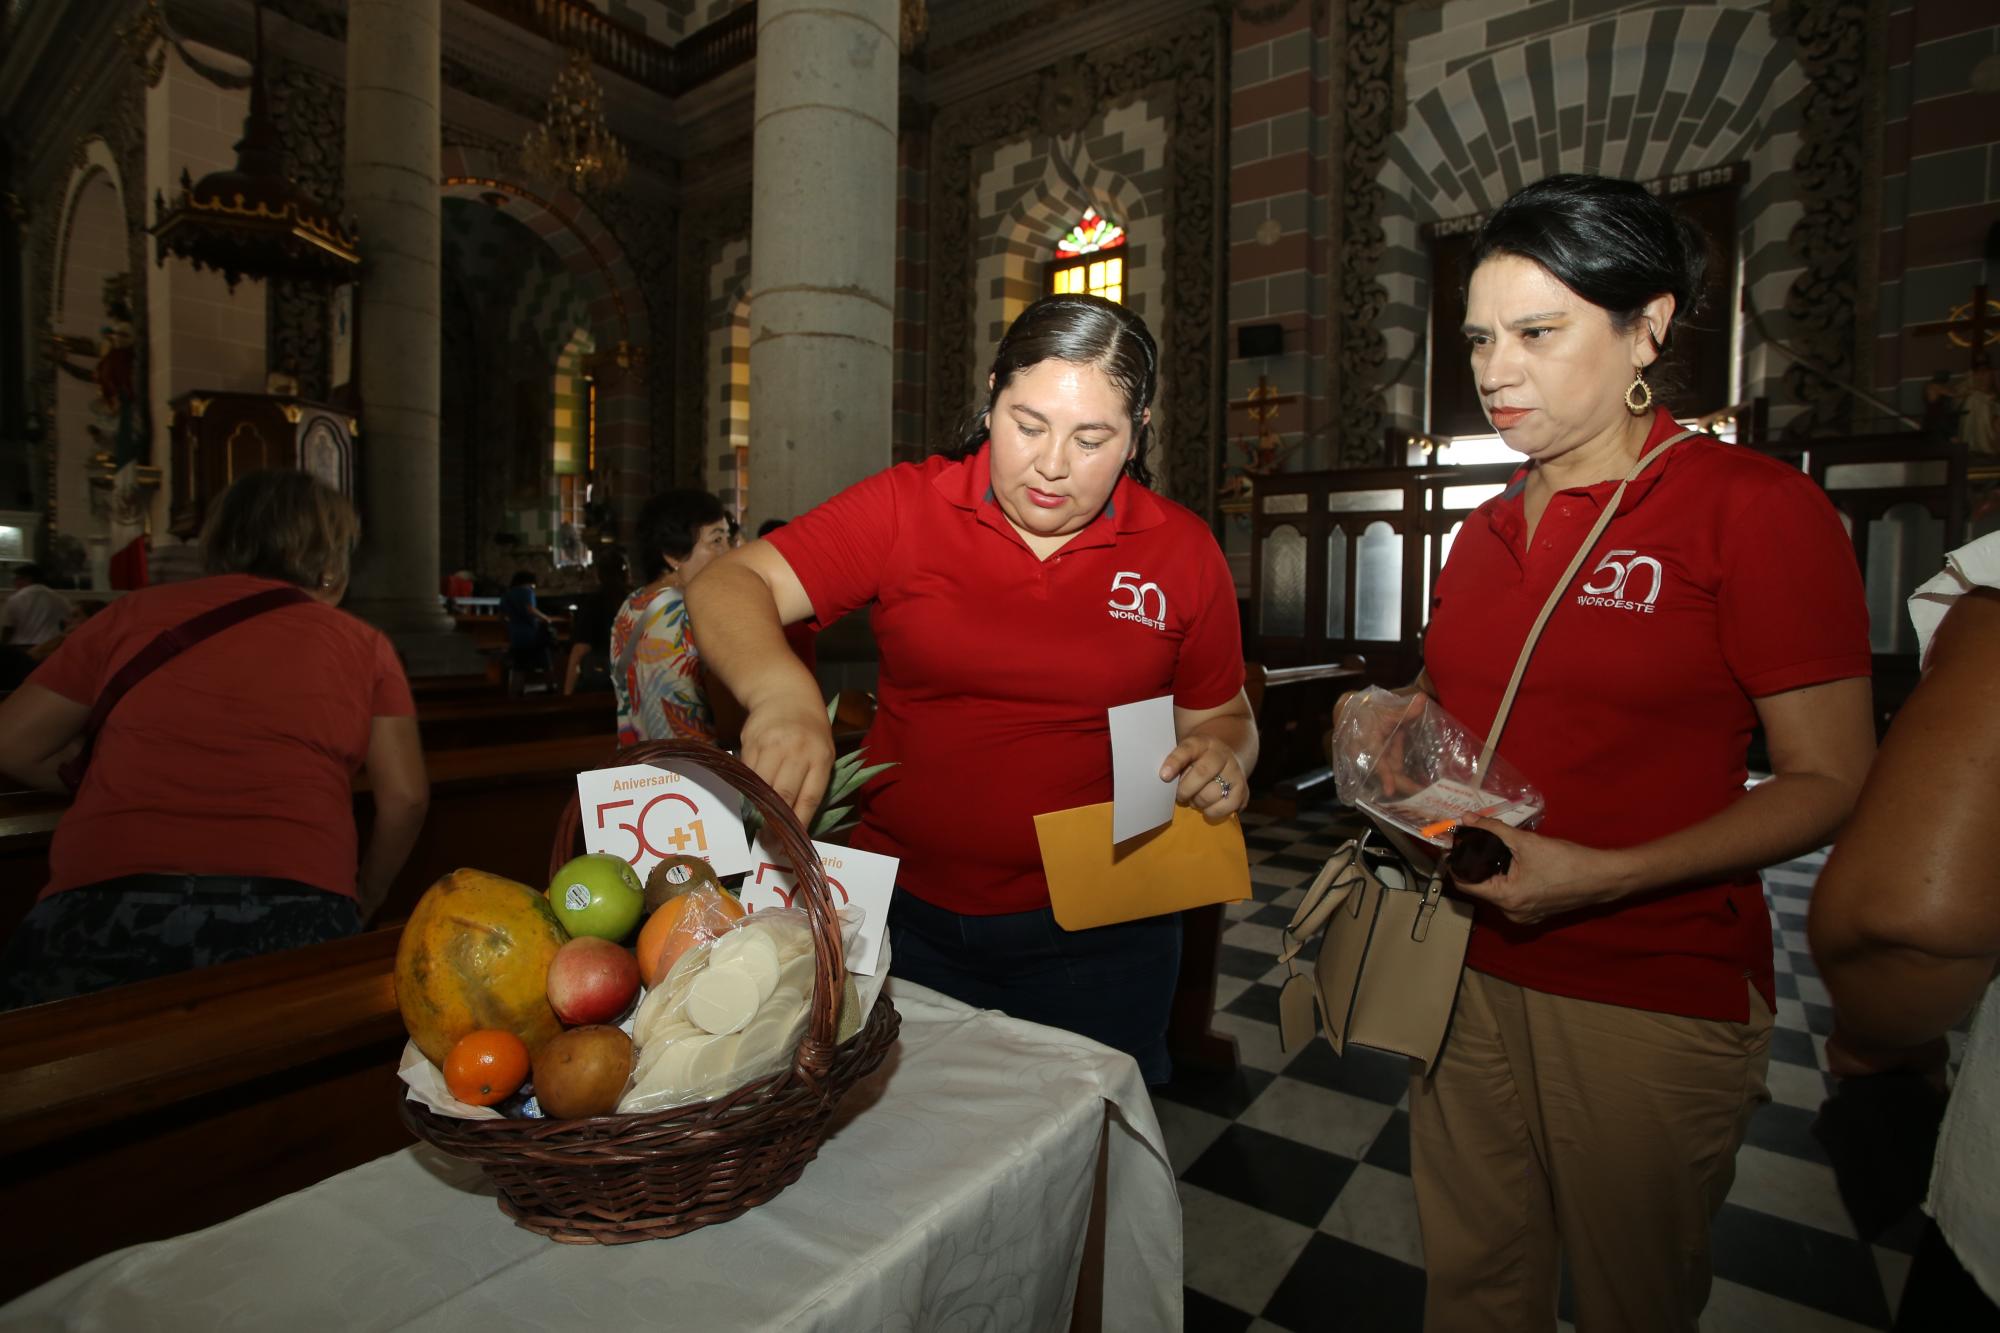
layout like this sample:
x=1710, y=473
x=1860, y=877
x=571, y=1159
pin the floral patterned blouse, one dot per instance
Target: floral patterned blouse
x=658, y=677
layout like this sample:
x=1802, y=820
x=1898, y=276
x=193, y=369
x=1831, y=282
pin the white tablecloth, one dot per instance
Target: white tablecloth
x=954, y=1194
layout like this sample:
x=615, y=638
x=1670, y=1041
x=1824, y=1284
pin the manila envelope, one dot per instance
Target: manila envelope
x=1096, y=882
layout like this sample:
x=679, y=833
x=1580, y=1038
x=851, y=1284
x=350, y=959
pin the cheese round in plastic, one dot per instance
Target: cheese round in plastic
x=725, y=998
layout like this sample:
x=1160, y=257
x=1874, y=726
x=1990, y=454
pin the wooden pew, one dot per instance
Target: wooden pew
x=493, y=718
x=157, y=1108
x=493, y=807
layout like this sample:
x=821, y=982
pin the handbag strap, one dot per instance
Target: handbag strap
x=1562, y=586
x=167, y=645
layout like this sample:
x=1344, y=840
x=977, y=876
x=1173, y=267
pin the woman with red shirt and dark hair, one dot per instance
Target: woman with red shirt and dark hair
x=1021, y=586
x=1613, y=1024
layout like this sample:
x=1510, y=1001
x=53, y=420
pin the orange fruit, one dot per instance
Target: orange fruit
x=679, y=924
x=486, y=1066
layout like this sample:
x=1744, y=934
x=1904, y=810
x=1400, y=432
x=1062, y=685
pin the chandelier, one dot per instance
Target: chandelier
x=573, y=147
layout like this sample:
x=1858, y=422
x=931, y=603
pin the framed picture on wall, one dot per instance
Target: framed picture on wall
x=340, y=336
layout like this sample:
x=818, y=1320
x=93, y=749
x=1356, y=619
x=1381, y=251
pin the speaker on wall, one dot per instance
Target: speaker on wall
x=1260, y=340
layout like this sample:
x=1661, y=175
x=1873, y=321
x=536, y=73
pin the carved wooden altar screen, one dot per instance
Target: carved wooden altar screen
x=217, y=437
x=1341, y=562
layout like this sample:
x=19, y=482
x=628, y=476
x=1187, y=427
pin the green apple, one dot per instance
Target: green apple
x=598, y=894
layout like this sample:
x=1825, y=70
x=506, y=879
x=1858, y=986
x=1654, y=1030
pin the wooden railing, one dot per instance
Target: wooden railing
x=672, y=70
x=723, y=45
x=1343, y=562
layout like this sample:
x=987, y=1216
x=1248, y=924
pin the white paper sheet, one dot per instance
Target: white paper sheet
x=862, y=879
x=645, y=813
x=1142, y=736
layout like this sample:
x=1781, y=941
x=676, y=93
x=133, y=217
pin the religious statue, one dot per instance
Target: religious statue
x=113, y=373
x=1978, y=408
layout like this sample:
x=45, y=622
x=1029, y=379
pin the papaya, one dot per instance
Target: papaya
x=475, y=954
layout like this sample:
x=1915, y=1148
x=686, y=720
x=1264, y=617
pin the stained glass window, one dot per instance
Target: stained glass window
x=1090, y=259
x=1092, y=232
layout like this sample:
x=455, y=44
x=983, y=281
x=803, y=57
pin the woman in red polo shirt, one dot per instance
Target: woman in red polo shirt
x=1613, y=1025
x=216, y=818
x=1021, y=586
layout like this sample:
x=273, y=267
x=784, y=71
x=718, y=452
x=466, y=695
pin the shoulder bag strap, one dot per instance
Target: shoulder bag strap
x=165, y=646
x=1434, y=887
x=1562, y=586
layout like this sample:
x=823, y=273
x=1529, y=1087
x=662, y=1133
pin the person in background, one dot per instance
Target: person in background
x=655, y=667
x=1021, y=586
x=457, y=587
x=1905, y=930
x=588, y=668
x=529, y=636
x=1612, y=1027
x=215, y=818
x=34, y=614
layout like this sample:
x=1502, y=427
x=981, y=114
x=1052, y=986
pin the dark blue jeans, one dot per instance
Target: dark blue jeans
x=143, y=926
x=1113, y=984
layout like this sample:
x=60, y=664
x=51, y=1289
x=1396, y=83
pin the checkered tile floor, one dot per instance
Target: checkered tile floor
x=1295, y=1172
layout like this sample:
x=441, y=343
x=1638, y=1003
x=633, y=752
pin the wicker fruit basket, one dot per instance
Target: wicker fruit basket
x=613, y=1179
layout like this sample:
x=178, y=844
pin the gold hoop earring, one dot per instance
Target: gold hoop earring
x=1639, y=386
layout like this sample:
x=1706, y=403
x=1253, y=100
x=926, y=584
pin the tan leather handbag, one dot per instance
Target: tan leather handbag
x=1391, y=941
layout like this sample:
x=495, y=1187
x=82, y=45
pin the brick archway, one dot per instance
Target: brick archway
x=619, y=323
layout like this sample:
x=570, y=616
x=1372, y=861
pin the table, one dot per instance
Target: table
x=956, y=1191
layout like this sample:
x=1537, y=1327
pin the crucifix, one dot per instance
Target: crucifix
x=1263, y=455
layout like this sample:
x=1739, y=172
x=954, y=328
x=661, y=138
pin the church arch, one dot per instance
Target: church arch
x=1024, y=237
x=1033, y=192
x=726, y=464
x=92, y=246
x=1710, y=88
x=616, y=313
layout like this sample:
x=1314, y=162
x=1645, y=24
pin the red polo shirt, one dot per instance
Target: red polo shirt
x=237, y=757
x=1725, y=577
x=997, y=667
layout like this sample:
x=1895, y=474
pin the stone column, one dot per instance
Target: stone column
x=392, y=191
x=822, y=249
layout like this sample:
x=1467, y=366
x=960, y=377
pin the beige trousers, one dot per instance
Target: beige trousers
x=1608, y=1135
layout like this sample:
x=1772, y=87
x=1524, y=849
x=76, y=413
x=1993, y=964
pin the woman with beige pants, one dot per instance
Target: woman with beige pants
x=1613, y=1024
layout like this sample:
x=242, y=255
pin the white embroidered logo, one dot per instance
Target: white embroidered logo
x=1143, y=596
x=1611, y=583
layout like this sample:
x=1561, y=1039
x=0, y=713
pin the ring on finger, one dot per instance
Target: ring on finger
x=1223, y=783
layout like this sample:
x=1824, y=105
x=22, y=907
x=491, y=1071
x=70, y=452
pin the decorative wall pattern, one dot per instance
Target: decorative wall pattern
x=1370, y=102
x=707, y=228
x=308, y=110
x=1832, y=40
x=1498, y=96
x=1283, y=191
x=1940, y=178
x=1029, y=193
x=727, y=345
x=1189, y=58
